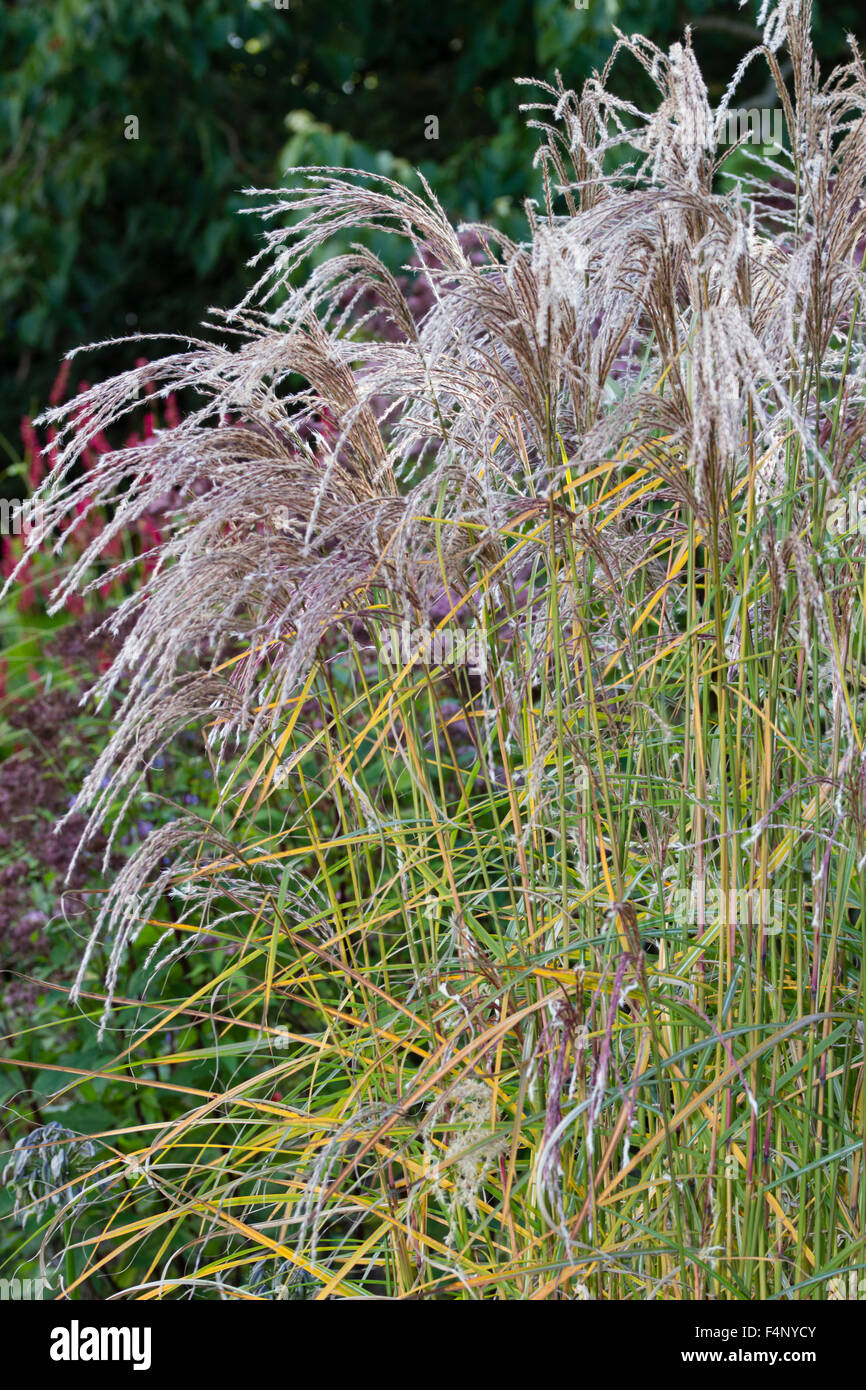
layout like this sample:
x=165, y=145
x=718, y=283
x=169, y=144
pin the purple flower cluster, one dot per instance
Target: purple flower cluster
x=32, y=798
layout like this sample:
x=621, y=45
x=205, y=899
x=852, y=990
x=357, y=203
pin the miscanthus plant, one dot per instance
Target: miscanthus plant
x=526, y=643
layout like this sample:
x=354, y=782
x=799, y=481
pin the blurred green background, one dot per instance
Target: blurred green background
x=102, y=235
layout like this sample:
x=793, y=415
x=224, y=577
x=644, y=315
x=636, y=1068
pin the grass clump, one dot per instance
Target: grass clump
x=540, y=973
